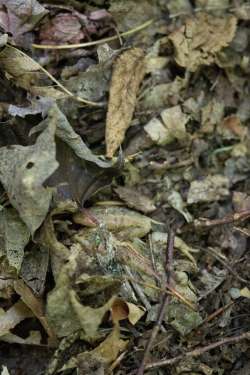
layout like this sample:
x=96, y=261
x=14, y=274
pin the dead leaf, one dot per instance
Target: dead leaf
x=89, y=318
x=162, y=95
x=125, y=223
x=23, y=171
x=5, y=371
x=109, y=349
x=34, y=338
x=197, y=42
x=209, y=189
x=135, y=199
x=34, y=268
x=35, y=304
x=126, y=78
x=16, y=313
x=121, y=310
x=96, y=361
x=40, y=105
x=26, y=73
x=171, y=128
x=22, y=15
x=14, y=236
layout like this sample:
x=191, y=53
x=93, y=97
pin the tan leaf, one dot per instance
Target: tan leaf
x=135, y=199
x=35, y=304
x=197, y=42
x=127, y=75
x=16, y=313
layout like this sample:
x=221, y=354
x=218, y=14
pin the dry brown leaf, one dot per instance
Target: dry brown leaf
x=197, y=42
x=127, y=75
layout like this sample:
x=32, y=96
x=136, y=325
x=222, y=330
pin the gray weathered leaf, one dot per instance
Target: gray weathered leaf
x=23, y=171
x=14, y=236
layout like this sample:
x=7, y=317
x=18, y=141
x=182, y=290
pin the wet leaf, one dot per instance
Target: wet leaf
x=197, y=42
x=23, y=171
x=14, y=236
x=127, y=75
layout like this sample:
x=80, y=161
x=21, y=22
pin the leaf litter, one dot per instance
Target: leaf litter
x=124, y=187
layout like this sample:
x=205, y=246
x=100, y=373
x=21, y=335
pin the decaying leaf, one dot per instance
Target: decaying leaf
x=66, y=133
x=79, y=305
x=22, y=15
x=23, y=171
x=93, y=83
x=14, y=236
x=26, y=73
x=135, y=199
x=35, y=304
x=16, y=313
x=89, y=318
x=125, y=223
x=126, y=78
x=160, y=239
x=40, y=105
x=161, y=95
x=197, y=42
x=211, y=115
x=209, y=189
x=34, y=268
x=127, y=14
x=182, y=318
x=96, y=361
x=34, y=338
x=170, y=128
x=124, y=310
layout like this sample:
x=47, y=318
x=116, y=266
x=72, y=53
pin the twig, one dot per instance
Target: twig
x=96, y=42
x=228, y=219
x=211, y=251
x=164, y=303
x=53, y=79
x=199, y=351
x=216, y=313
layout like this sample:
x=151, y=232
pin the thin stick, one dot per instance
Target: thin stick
x=96, y=42
x=211, y=251
x=217, y=312
x=228, y=219
x=164, y=303
x=53, y=79
x=199, y=351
